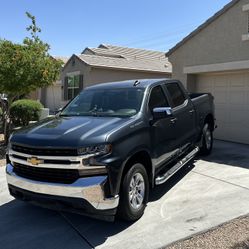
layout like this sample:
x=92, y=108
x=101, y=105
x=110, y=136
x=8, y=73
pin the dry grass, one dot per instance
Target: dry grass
x=233, y=235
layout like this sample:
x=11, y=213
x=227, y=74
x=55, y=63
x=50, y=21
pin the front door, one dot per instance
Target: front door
x=163, y=132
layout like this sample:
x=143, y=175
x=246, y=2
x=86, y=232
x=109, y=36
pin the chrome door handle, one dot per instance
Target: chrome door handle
x=191, y=111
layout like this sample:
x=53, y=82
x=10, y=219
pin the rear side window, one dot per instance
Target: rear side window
x=157, y=98
x=176, y=94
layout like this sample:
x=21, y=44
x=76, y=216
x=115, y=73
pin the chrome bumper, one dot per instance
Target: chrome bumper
x=89, y=189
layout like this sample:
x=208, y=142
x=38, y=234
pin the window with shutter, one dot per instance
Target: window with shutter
x=65, y=88
x=245, y=8
x=74, y=86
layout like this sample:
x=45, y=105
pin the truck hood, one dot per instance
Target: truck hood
x=69, y=131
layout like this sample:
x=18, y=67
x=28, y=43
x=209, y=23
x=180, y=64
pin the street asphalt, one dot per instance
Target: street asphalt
x=205, y=194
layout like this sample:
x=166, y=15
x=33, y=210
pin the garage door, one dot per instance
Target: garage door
x=231, y=92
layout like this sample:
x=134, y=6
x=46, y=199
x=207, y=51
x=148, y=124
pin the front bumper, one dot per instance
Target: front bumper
x=89, y=189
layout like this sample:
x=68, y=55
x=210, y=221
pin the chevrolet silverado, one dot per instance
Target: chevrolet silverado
x=110, y=145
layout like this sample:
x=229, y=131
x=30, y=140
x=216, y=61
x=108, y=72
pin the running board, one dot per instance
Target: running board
x=163, y=178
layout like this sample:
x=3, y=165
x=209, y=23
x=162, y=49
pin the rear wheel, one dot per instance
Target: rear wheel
x=134, y=193
x=207, y=140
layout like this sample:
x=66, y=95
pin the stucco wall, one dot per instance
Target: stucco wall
x=219, y=42
x=70, y=67
x=53, y=99
x=100, y=75
x=78, y=66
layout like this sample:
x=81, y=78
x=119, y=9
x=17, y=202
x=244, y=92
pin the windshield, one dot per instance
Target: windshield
x=106, y=102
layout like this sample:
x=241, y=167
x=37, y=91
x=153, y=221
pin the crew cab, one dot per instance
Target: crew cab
x=107, y=148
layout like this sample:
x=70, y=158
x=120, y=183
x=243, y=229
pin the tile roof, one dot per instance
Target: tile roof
x=202, y=26
x=112, y=56
x=134, y=53
x=62, y=58
x=161, y=65
x=102, y=52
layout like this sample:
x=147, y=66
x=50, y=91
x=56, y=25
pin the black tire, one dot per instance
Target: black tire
x=207, y=140
x=125, y=210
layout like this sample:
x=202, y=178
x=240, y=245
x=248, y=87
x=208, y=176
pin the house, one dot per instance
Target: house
x=215, y=58
x=108, y=63
x=51, y=96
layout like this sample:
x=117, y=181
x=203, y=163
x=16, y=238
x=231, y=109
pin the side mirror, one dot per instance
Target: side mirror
x=162, y=112
x=57, y=113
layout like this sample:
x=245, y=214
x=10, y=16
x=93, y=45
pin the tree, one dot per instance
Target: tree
x=24, y=68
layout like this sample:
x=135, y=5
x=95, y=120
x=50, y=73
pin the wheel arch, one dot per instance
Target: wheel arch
x=141, y=156
x=209, y=120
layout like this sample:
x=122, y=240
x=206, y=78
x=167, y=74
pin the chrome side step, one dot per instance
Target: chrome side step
x=163, y=178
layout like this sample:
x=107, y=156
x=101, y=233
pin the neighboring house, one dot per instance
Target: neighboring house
x=215, y=58
x=51, y=97
x=109, y=63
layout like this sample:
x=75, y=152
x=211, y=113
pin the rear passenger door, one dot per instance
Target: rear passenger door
x=183, y=114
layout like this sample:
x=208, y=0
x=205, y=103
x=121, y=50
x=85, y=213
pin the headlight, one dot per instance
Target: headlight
x=101, y=149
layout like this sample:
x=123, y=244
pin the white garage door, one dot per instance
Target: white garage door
x=231, y=92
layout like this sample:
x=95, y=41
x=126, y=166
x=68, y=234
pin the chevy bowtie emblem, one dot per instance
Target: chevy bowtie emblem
x=34, y=160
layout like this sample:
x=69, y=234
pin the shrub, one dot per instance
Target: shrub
x=24, y=110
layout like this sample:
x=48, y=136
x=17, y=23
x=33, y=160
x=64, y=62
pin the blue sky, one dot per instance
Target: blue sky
x=70, y=26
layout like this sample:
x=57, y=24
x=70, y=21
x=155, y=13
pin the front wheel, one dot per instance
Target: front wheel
x=207, y=140
x=134, y=193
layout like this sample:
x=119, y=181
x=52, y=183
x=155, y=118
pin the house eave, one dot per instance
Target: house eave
x=217, y=67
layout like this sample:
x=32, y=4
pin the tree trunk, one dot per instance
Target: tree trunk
x=6, y=128
x=6, y=118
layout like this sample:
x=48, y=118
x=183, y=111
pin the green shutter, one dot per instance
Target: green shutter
x=66, y=88
x=81, y=82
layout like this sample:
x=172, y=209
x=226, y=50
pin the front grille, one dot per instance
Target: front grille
x=44, y=151
x=46, y=174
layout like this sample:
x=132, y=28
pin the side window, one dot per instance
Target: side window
x=157, y=98
x=176, y=94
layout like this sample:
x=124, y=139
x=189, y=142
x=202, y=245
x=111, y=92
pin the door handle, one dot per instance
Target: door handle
x=173, y=120
x=192, y=111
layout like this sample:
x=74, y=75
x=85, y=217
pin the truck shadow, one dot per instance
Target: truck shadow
x=161, y=190
x=23, y=225
x=229, y=154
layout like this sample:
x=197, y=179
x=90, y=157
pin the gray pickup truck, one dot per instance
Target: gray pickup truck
x=107, y=148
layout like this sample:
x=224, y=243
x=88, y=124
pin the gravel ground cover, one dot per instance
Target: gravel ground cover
x=231, y=235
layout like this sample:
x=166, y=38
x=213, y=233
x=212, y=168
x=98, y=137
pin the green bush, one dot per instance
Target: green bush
x=24, y=110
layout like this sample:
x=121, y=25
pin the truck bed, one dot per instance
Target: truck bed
x=203, y=103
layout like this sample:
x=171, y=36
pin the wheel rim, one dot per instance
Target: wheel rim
x=136, y=191
x=208, y=139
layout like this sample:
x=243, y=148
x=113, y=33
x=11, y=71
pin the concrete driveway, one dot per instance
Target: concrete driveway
x=208, y=192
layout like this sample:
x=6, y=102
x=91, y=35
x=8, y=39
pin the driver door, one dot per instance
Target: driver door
x=162, y=132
